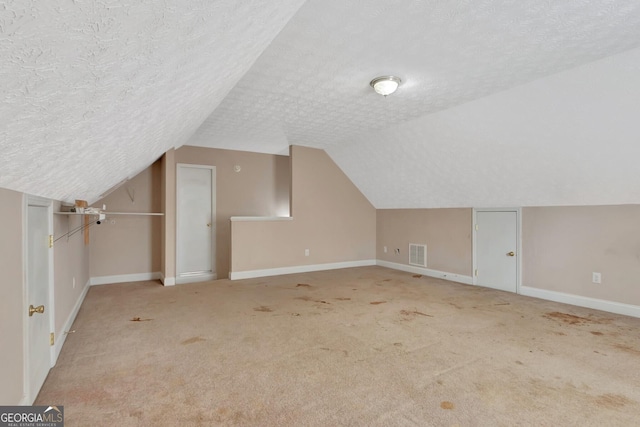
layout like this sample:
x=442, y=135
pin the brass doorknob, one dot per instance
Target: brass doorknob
x=511, y=253
x=38, y=309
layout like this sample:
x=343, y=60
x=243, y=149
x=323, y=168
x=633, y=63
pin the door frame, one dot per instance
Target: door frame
x=214, y=273
x=518, y=212
x=29, y=395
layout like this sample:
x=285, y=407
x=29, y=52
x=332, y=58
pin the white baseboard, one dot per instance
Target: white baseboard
x=167, y=281
x=467, y=280
x=122, y=278
x=236, y=275
x=61, y=335
x=195, y=278
x=596, y=304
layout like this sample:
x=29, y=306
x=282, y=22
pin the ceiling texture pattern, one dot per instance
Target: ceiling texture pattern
x=95, y=91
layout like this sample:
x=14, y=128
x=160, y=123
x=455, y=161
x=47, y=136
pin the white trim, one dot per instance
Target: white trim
x=167, y=281
x=474, y=222
x=467, y=280
x=123, y=278
x=213, y=219
x=25, y=298
x=581, y=301
x=236, y=275
x=195, y=278
x=61, y=335
x=29, y=395
x=260, y=218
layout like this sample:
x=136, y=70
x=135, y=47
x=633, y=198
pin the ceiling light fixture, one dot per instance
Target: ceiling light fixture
x=385, y=85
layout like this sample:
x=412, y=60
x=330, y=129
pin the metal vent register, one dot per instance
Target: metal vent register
x=417, y=255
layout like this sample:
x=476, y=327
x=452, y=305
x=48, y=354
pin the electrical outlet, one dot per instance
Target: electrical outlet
x=596, y=277
x=385, y=249
x=306, y=252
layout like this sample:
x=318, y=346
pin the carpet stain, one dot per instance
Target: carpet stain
x=377, y=302
x=386, y=280
x=417, y=276
x=343, y=299
x=295, y=314
x=447, y=405
x=413, y=313
x=397, y=344
x=612, y=401
x=137, y=319
x=558, y=333
x=627, y=349
x=303, y=285
x=311, y=299
x=456, y=306
x=192, y=340
x=519, y=362
x=263, y=308
x=596, y=333
x=574, y=320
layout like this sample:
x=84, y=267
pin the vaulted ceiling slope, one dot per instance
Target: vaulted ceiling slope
x=522, y=102
x=497, y=106
x=95, y=91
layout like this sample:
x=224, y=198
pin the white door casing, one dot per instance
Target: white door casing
x=496, y=249
x=39, y=354
x=195, y=223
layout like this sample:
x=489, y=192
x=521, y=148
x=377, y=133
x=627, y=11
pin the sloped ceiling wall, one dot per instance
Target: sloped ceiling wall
x=568, y=139
x=95, y=91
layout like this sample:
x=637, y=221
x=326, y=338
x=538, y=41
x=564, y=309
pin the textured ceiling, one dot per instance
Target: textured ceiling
x=568, y=139
x=311, y=85
x=430, y=144
x=94, y=91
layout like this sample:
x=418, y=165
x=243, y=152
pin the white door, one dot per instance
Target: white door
x=195, y=231
x=37, y=308
x=496, y=243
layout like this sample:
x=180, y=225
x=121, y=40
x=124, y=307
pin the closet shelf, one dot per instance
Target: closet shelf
x=110, y=213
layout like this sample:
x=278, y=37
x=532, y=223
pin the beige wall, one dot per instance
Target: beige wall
x=261, y=188
x=331, y=218
x=129, y=244
x=562, y=246
x=168, y=200
x=446, y=232
x=11, y=302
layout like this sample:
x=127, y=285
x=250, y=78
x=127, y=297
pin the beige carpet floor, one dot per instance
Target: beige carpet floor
x=360, y=347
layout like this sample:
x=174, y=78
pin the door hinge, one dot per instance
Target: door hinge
x=476, y=227
x=476, y=273
x=50, y=240
x=52, y=338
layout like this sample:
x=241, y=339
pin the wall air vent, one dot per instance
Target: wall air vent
x=417, y=255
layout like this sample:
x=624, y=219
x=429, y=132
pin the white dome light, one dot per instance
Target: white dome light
x=385, y=85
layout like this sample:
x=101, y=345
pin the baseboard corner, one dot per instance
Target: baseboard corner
x=453, y=277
